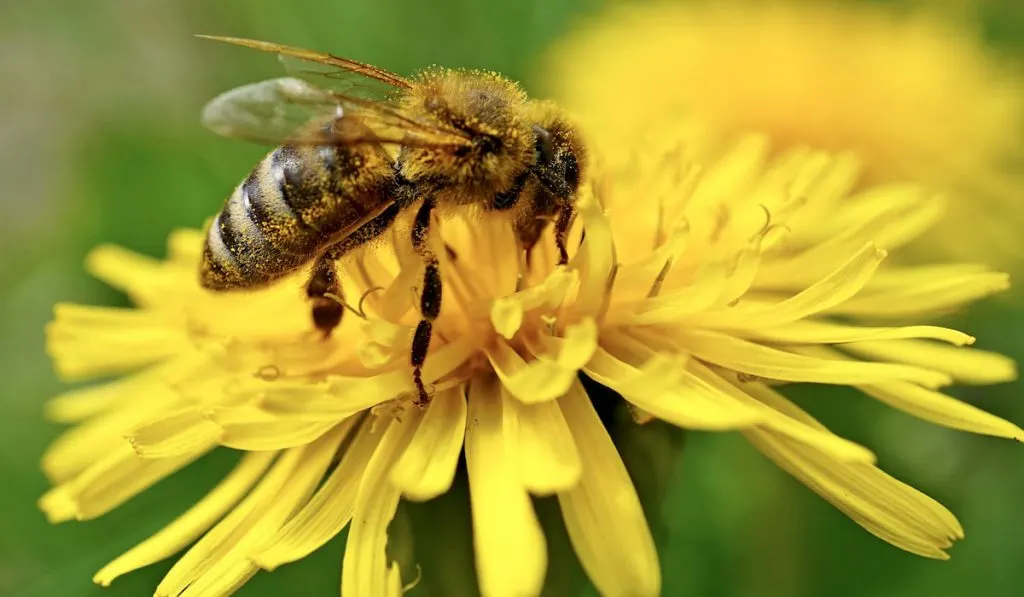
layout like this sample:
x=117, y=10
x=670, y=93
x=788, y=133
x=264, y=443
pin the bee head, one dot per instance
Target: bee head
x=487, y=110
x=558, y=154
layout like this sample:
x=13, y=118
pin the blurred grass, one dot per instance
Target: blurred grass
x=100, y=142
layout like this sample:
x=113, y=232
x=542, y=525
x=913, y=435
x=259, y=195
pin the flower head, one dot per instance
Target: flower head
x=692, y=291
x=915, y=96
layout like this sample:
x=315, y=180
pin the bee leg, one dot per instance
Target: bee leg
x=562, y=224
x=430, y=296
x=324, y=291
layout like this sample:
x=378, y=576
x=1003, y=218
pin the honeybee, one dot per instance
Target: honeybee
x=457, y=139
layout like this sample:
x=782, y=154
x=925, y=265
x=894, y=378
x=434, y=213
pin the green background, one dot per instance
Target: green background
x=100, y=142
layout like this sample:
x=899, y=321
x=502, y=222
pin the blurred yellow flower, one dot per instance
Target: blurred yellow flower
x=692, y=294
x=917, y=97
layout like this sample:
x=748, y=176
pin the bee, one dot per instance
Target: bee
x=362, y=145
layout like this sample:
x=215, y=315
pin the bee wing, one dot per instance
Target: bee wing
x=344, y=82
x=268, y=111
x=336, y=66
x=291, y=110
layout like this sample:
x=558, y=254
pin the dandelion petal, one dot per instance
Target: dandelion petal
x=268, y=433
x=602, y=512
x=763, y=398
x=110, y=482
x=174, y=434
x=328, y=511
x=772, y=363
x=659, y=388
x=835, y=288
x=364, y=568
x=811, y=331
x=87, y=342
x=219, y=561
x=548, y=376
x=538, y=438
x=427, y=467
x=193, y=523
x=885, y=507
x=965, y=365
x=511, y=555
x=940, y=409
x=935, y=296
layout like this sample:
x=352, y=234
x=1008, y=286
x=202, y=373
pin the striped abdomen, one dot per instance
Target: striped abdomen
x=297, y=200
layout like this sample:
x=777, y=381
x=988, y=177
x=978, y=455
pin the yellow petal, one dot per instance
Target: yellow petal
x=394, y=586
x=538, y=440
x=83, y=403
x=661, y=387
x=218, y=562
x=903, y=276
x=888, y=509
x=110, y=482
x=337, y=398
x=711, y=282
x=595, y=259
x=427, y=467
x=132, y=273
x=935, y=296
x=506, y=317
x=364, y=568
x=942, y=410
x=835, y=288
x=446, y=359
x=266, y=432
x=82, y=446
x=887, y=216
x=763, y=361
x=741, y=275
x=224, y=579
x=396, y=300
x=87, y=342
x=511, y=555
x=330, y=508
x=634, y=280
x=602, y=512
x=760, y=396
x=728, y=177
x=193, y=523
x=965, y=365
x=811, y=331
x=174, y=433
x=545, y=378
x=507, y=312
x=657, y=373
x=484, y=240
x=185, y=245
x=902, y=226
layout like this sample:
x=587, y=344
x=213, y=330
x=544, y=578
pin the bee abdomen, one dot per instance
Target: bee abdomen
x=239, y=253
x=329, y=187
x=291, y=205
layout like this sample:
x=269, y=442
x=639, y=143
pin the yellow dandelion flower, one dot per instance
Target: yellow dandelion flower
x=692, y=292
x=917, y=97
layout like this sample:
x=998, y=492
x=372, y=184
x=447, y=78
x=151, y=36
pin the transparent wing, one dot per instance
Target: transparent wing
x=344, y=75
x=268, y=111
x=291, y=110
x=323, y=59
x=349, y=83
